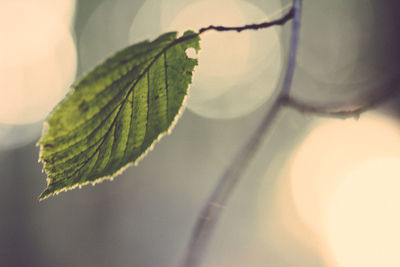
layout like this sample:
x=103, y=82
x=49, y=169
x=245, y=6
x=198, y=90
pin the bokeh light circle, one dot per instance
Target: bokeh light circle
x=344, y=51
x=330, y=150
x=38, y=61
x=237, y=72
x=38, y=58
x=363, y=215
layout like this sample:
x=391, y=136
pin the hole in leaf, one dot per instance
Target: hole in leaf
x=191, y=53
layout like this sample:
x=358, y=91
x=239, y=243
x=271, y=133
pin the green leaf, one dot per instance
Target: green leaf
x=113, y=116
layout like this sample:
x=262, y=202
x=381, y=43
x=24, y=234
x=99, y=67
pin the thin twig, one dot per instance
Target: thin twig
x=280, y=21
x=211, y=212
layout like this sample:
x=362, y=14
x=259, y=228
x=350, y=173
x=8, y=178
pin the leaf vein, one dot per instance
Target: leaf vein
x=130, y=123
x=166, y=83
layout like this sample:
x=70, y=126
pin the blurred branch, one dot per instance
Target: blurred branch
x=345, y=110
x=212, y=209
x=211, y=212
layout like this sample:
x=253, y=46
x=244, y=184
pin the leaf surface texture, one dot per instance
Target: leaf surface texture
x=115, y=113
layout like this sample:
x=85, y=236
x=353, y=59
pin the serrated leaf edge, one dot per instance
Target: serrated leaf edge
x=129, y=164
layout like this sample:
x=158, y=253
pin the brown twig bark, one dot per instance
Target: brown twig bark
x=281, y=21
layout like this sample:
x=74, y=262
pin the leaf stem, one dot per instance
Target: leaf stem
x=263, y=25
x=212, y=209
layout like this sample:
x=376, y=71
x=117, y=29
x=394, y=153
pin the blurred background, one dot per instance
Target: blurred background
x=321, y=192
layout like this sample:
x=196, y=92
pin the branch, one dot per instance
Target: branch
x=212, y=209
x=344, y=110
x=281, y=21
x=217, y=200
